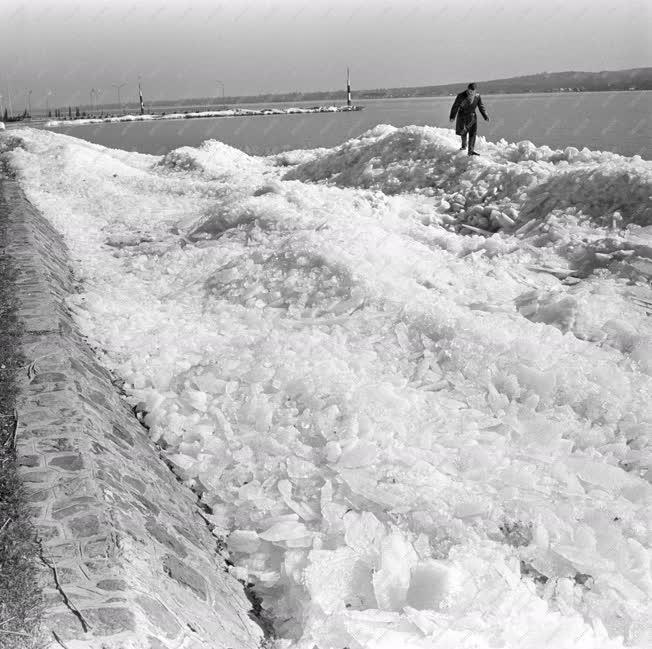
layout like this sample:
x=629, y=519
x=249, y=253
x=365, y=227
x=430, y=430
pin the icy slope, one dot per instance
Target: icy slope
x=411, y=434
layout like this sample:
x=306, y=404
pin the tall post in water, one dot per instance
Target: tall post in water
x=140, y=95
x=348, y=88
x=117, y=86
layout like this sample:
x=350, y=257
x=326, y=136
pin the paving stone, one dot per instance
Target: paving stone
x=52, y=599
x=99, y=449
x=161, y=618
x=188, y=532
x=163, y=536
x=109, y=620
x=38, y=495
x=70, y=511
x=35, y=512
x=155, y=643
x=104, y=476
x=112, y=584
x=58, y=444
x=54, y=400
x=48, y=532
x=66, y=626
x=40, y=388
x=83, y=526
x=119, y=433
x=99, y=399
x=99, y=567
x=37, y=477
x=137, y=484
x=148, y=505
x=68, y=462
x=75, y=485
x=185, y=575
x=68, y=575
x=57, y=551
x=49, y=377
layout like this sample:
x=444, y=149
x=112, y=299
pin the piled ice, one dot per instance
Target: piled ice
x=411, y=434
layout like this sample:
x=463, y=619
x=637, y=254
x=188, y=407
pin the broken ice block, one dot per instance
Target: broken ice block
x=358, y=453
x=392, y=581
x=430, y=583
x=243, y=541
x=283, y=531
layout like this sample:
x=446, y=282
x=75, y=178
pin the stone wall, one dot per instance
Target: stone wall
x=128, y=560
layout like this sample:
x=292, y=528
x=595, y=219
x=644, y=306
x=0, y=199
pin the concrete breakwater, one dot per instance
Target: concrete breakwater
x=127, y=559
x=234, y=112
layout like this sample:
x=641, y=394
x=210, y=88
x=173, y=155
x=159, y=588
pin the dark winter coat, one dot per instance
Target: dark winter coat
x=465, y=111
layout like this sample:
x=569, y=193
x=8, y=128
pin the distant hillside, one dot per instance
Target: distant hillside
x=635, y=79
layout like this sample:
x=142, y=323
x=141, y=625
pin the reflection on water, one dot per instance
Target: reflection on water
x=610, y=121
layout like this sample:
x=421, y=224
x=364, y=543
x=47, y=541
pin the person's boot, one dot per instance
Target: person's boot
x=473, y=153
x=463, y=145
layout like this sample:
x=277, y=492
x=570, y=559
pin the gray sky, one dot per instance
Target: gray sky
x=182, y=48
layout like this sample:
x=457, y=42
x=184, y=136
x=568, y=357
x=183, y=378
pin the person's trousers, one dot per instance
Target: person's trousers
x=471, y=133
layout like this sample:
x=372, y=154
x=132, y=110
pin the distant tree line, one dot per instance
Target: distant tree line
x=635, y=79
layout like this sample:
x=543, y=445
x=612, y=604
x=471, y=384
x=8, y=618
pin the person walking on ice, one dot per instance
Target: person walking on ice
x=467, y=122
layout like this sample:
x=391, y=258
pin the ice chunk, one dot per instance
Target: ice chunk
x=601, y=474
x=430, y=584
x=364, y=534
x=339, y=579
x=243, y=541
x=299, y=468
x=301, y=508
x=196, y=399
x=333, y=451
x=285, y=531
x=358, y=453
x=391, y=582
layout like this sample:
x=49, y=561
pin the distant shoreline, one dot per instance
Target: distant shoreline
x=359, y=96
x=548, y=82
x=635, y=79
x=165, y=110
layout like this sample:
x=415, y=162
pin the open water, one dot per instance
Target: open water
x=609, y=121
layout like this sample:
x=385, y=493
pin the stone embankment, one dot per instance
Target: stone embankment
x=127, y=559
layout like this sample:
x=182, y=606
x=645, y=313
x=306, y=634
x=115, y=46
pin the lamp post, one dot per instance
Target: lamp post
x=28, y=106
x=221, y=83
x=98, y=96
x=91, y=95
x=9, y=102
x=47, y=102
x=117, y=86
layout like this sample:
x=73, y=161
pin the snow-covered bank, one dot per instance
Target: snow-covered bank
x=234, y=112
x=411, y=434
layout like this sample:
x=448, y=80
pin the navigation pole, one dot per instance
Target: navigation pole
x=140, y=95
x=348, y=88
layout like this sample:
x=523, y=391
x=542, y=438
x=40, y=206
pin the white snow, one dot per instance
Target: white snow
x=411, y=433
